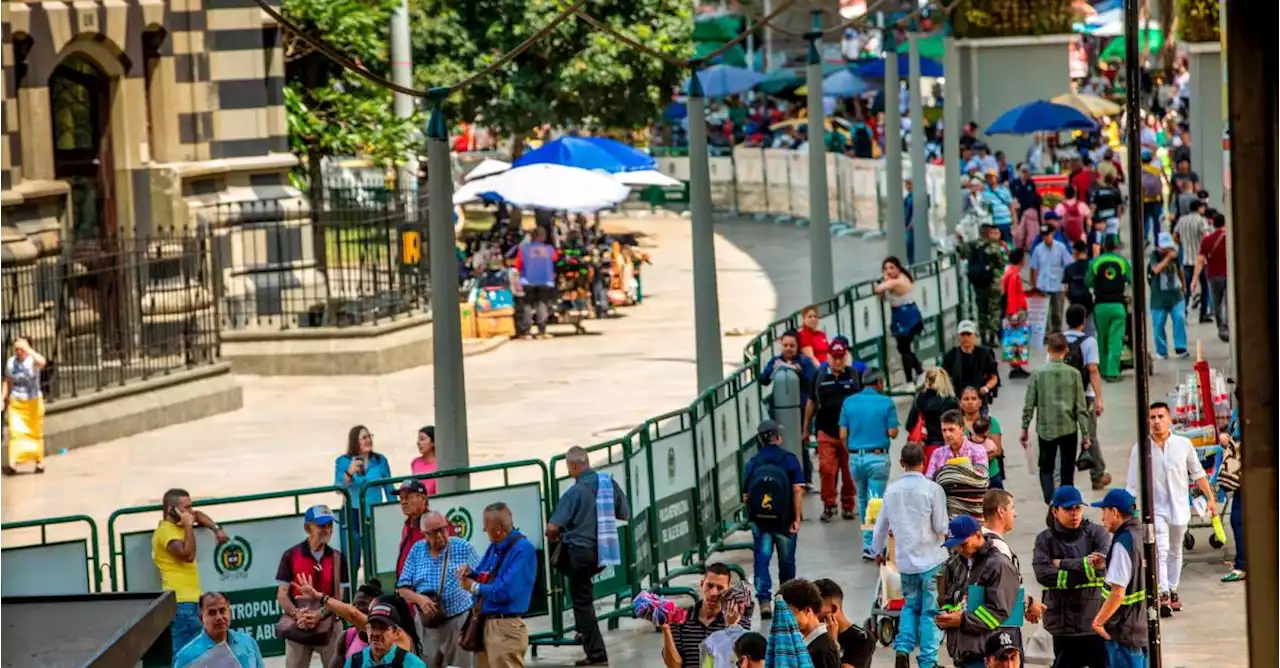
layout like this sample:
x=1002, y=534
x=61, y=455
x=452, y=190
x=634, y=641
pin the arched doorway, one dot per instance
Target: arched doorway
x=80, y=101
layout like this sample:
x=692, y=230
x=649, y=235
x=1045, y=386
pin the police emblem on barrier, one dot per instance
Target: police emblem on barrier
x=461, y=520
x=233, y=558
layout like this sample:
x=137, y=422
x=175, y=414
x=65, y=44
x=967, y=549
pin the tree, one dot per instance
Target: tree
x=1011, y=18
x=333, y=111
x=573, y=75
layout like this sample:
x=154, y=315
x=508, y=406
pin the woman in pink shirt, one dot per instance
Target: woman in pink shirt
x=426, y=463
x=1027, y=230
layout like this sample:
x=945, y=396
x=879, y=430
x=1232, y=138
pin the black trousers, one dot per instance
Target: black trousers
x=1059, y=451
x=1079, y=652
x=581, y=568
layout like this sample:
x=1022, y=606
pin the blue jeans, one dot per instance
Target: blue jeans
x=1160, y=317
x=916, y=627
x=1006, y=233
x=186, y=625
x=1120, y=656
x=763, y=545
x=870, y=476
x=1237, y=529
x=1151, y=213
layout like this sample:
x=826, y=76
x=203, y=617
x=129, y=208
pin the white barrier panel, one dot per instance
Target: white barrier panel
x=52, y=569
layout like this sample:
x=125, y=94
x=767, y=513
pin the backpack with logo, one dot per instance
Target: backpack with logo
x=1152, y=187
x=769, y=503
x=1075, y=358
x=978, y=269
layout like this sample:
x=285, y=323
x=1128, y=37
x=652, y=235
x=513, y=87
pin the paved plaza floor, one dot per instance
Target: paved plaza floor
x=533, y=399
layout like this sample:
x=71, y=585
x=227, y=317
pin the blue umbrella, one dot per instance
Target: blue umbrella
x=594, y=153
x=1040, y=116
x=846, y=84
x=723, y=80
x=874, y=69
x=675, y=111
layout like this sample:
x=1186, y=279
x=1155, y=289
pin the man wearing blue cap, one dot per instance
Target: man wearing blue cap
x=1069, y=557
x=311, y=630
x=1122, y=619
x=982, y=592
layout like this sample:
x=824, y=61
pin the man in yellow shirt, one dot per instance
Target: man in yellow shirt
x=173, y=549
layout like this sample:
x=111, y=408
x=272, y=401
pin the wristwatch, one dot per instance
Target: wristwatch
x=475, y=588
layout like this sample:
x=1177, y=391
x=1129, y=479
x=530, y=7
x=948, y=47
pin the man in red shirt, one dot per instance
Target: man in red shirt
x=1081, y=178
x=1212, y=260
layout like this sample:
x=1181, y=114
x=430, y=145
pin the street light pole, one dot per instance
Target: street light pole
x=895, y=227
x=706, y=300
x=923, y=251
x=821, y=279
x=446, y=338
x=402, y=75
x=1137, y=315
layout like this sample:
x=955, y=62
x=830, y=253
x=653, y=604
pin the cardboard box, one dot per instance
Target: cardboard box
x=495, y=324
x=468, y=313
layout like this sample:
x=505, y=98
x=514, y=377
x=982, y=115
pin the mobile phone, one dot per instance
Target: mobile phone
x=174, y=516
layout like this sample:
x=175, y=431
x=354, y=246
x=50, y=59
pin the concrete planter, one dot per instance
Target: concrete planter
x=1207, y=124
x=999, y=73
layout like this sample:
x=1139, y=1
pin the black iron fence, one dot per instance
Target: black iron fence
x=111, y=312
x=357, y=258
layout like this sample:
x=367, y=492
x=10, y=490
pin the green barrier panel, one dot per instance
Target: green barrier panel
x=51, y=568
x=673, y=475
x=244, y=568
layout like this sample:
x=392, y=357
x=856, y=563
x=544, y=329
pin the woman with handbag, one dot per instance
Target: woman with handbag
x=897, y=288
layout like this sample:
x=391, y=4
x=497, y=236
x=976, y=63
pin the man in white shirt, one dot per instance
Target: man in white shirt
x=914, y=510
x=1174, y=464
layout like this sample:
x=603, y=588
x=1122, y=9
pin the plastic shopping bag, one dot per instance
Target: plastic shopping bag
x=890, y=584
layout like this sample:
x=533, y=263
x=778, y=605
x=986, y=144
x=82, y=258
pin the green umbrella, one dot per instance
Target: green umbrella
x=734, y=57
x=716, y=28
x=1150, y=38
x=932, y=46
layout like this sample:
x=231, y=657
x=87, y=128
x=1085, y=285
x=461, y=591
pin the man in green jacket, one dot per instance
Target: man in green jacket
x=1109, y=277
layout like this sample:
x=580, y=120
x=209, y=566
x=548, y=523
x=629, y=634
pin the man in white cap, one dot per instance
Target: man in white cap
x=970, y=364
x=1167, y=297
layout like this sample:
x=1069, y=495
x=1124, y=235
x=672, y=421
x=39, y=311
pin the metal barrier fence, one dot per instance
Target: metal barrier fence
x=359, y=259
x=65, y=566
x=682, y=473
x=115, y=312
x=775, y=182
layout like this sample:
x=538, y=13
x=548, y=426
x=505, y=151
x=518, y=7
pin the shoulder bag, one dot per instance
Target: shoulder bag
x=438, y=618
x=318, y=635
x=471, y=637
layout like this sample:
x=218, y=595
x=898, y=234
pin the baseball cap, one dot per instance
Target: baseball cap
x=1066, y=496
x=1046, y=229
x=840, y=344
x=960, y=529
x=385, y=613
x=1052, y=215
x=319, y=514
x=1165, y=240
x=1000, y=644
x=769, y=427
x=411, y=486
x=1119, y=499
x=967, y=327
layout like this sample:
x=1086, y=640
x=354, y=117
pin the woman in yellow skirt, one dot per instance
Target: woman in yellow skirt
x=25, y=406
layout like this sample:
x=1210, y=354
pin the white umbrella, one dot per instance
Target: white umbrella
x=648, y=177
x=488, y=167
x=547, y=186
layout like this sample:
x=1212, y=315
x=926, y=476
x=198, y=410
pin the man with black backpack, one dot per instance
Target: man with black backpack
x=773, y=491
x=1082, y=355
x=986, y=258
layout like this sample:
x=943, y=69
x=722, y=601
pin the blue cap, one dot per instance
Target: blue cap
x=960, y=529
x=320, y=515
x=1066, y=497
x=1120, y=499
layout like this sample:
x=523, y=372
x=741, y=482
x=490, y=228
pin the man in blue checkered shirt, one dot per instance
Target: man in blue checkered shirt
x=438, y=557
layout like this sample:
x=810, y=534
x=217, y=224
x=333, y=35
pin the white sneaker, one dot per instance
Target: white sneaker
x=1158, y=356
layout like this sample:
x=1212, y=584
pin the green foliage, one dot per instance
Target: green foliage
x=574, y=75
x=332, y=111
x=1013, y=18
x=1198, y=21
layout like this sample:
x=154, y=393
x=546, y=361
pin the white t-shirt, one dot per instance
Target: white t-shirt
x=1120, y=569
x=1089, y=348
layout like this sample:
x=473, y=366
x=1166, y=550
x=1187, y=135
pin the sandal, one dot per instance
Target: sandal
x=1234, y=576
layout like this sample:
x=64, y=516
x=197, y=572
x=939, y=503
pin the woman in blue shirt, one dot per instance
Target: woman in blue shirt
x=351, y=471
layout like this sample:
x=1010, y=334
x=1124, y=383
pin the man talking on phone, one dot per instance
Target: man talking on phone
x=173, y=549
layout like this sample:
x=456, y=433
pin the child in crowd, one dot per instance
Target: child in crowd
x=980, y=437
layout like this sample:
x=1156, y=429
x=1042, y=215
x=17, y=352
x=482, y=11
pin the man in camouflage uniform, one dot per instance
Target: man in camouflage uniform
x=984, y=276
